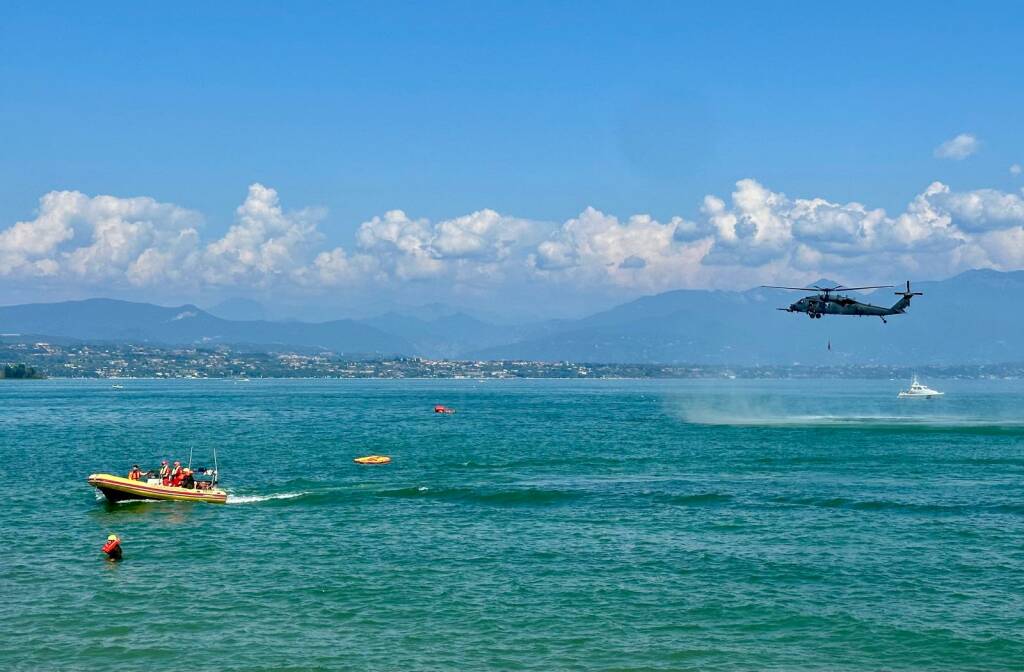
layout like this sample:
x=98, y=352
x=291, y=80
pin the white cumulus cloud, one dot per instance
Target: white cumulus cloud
x=401, y=244
x=463, y=247
x=982, y=209
x=93, y=238
x=940, y=232
x=958, y=148
x=264, y=243
x=338, y=267
x=640, y=252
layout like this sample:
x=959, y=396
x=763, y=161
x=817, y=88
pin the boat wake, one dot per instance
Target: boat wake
x=931, y=421
x=487, y=496
x=254, y=499
x=772, y=413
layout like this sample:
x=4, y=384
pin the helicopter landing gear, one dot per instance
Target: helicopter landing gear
x=883, y=320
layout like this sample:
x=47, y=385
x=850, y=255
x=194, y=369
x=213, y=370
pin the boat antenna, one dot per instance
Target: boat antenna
x=216, y=467
x=190, y=456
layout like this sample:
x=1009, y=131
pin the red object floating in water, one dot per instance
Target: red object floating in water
x=443, y=409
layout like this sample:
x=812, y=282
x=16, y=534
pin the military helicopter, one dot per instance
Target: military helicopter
x=829, y=301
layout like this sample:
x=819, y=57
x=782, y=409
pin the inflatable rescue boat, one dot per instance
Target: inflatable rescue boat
x=372, y=459
x=119, y=489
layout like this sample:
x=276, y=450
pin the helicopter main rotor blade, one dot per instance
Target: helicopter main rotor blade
x=850, y=289
x=795, y=289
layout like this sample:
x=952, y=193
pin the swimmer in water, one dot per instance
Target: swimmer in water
x=113, y=548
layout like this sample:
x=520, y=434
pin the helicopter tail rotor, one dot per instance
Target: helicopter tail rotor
x=904, y=301
x=907, y=294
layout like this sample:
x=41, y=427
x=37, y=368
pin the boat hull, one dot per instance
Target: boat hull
x=119, y=489
x=373, y=459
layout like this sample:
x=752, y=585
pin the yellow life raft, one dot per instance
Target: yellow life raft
x=372, y=459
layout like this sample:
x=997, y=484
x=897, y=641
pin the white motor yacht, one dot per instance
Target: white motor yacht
x=919, y=390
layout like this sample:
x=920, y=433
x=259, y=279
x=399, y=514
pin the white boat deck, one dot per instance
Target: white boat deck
x=917, y=389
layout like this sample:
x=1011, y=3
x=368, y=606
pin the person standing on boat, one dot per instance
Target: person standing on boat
x=177, y=474
x=135, y=474
x=165, y=473
x=188, y=481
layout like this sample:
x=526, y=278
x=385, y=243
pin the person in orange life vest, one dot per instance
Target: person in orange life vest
x=177, y=474
x=113, y=548
x=135, y=474
x=165, y=473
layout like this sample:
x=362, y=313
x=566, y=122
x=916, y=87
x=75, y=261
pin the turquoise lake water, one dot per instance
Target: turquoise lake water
x=547, y=525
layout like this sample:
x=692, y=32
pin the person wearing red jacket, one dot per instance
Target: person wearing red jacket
x=113, y=548
x=177, y=474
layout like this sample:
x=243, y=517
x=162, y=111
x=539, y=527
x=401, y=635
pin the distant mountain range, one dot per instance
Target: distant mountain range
x=973, y=318
x=110, y=320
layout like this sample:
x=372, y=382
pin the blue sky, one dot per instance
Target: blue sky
x=536, y=111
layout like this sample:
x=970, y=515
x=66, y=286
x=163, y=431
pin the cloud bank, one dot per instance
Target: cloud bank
x=753, y=235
